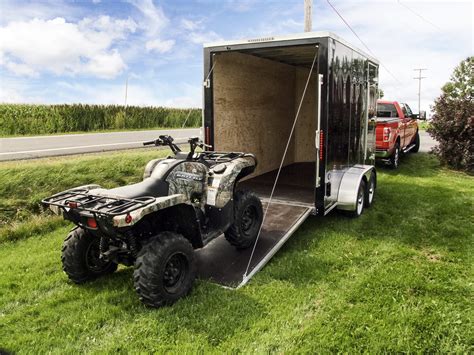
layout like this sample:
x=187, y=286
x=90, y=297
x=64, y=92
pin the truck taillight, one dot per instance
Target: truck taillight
x=386, y=134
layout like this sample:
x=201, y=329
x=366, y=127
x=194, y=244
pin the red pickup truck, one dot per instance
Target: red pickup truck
x=396, y=131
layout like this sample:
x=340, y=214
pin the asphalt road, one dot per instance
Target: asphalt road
x=46, y=146
x=426, y=142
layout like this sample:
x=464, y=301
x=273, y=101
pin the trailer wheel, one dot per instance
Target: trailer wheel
x=370, y=193
x=359, y=208
x=80, y=257
x=165, y=269
x=248, y=216
x=395, y=158
x=416, y=148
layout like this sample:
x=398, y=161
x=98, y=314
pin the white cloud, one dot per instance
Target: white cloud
x=61, y=47
x=199, y=37
x=190, y=25
x=154, y=19
x=159, y=46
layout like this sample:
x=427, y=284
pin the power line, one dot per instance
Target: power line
x=417, y=14
x=361, y=41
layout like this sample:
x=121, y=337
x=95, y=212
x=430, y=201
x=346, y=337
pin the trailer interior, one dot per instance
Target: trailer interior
x=244, y=83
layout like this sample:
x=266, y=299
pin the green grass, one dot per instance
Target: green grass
x=398, y=279
x=423, y=125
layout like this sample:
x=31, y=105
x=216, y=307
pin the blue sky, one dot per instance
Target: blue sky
x=83, y=51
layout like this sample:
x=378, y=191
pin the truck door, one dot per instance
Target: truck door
x=410, y=125
x=404, y=131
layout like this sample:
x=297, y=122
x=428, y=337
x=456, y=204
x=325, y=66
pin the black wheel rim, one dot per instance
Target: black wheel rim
x=176, y=268
x=249, y=220
x=93, y=261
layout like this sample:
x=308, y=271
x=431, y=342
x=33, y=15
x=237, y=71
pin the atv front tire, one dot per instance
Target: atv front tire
x=248, y=216
x=165, y=269
x=80, y=257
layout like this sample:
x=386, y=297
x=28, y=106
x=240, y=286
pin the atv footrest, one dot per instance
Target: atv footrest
x=222, y=263
x=82, y=200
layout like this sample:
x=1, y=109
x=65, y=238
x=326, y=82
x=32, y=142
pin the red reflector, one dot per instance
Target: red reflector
x=91, y=223
x=128, y=218
x=72, y=204
x=207, y=135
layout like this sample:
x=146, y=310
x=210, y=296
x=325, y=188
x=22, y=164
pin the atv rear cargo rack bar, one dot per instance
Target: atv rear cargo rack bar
x=104, y=205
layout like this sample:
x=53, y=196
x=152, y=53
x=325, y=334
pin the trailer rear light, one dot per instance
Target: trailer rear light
x=91, y=223
x=321, y=145
x=128, y=219
x=72, y=204
x=386, y=134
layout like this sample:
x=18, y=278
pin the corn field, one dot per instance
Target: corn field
x=19, y=119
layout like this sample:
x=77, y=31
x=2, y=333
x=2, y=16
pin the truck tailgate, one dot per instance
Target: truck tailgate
x=222, y=263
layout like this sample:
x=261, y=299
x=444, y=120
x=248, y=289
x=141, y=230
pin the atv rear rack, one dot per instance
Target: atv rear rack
x=81, y=200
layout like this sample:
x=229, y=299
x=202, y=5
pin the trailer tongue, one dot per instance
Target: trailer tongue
x=227, y=266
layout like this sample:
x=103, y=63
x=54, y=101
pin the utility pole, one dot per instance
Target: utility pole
x=419, y=78
x=308, y=16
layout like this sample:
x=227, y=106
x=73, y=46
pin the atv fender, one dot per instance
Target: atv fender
x=221, y=189
x=160, y=203
x=150, y=166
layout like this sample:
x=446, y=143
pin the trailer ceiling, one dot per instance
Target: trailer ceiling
x=301, y=56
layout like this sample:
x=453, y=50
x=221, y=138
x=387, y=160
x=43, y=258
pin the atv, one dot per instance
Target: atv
x=182, y=204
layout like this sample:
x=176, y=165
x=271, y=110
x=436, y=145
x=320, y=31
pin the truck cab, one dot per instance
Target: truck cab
x=396, y=131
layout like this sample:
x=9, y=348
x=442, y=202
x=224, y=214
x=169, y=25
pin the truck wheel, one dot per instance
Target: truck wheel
x=370, y=193
x=360, y=200
x=248, y=216
x=80, y=257
x=395, y=158
x=165, y=269
x=416, y=148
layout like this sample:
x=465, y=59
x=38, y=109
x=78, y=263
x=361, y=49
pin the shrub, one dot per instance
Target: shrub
x=453, y=120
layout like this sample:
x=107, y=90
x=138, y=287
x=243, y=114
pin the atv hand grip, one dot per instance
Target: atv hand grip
x=149, y=143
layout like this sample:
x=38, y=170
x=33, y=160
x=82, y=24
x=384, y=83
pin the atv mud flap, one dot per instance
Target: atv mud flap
x=222, y=263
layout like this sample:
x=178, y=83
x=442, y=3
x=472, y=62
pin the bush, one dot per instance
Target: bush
x=17, y=119
x=453, y=120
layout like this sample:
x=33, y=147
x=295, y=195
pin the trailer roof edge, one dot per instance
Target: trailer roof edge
x=290, y=37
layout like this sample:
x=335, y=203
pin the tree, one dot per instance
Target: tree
x=452, y=124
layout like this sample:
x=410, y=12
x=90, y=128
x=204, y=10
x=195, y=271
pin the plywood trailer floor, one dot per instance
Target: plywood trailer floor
x=295, y=184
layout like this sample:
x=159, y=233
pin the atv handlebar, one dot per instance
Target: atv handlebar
x=164, y=140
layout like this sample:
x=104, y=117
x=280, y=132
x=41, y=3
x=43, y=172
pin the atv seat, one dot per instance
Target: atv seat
x=149, y=187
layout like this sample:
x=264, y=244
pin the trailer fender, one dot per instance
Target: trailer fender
x=347, y=196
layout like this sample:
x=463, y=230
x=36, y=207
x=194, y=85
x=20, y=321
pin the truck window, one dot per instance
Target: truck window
x=409, y=111
x=386, y=110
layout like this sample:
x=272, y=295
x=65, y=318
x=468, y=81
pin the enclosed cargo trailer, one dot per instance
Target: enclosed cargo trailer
x=304, y=106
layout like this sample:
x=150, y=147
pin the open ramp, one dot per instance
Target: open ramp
x=222, y=263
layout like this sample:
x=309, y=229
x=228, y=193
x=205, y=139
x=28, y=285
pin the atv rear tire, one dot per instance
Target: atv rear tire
x=165, y=269
x=80, y=257
x=248, y=216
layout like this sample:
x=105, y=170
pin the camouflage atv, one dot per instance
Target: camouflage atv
x=183, y=203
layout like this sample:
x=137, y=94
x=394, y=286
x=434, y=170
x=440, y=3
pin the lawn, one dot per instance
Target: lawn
x=398, y=279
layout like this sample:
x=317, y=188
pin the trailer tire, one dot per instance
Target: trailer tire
x=370, y=193
x=248, y=217
x=165, y=269
x=395, y=158
x=416, y=148
x=360, y=201
x=80, y=257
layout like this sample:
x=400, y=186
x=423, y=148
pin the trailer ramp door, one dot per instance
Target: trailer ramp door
x=223, y=264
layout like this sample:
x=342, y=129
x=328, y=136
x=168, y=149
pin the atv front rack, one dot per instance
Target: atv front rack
x=82, y=200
